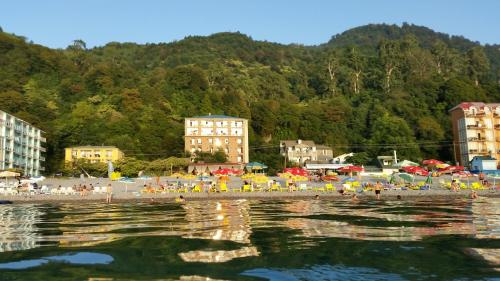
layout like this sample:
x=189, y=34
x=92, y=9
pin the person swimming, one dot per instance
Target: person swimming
x=473, y=195
x=354, y=198
x=180, y=199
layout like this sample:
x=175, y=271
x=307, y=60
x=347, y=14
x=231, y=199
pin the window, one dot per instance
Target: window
x=239, y=158
x=226, y=141
x=192, y=141
x=210, y=140
x=226, y=150
x=239, y=149
x=199, y=141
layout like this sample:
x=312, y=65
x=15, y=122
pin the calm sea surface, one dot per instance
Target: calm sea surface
x=252, y=240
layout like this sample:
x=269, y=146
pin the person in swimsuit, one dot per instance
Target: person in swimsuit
x=109, y=193
x=378, y=189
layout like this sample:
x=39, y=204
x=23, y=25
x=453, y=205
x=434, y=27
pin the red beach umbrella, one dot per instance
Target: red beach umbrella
x=349, y=169
x=415, y=170
x=296, y=171
x=432, y=162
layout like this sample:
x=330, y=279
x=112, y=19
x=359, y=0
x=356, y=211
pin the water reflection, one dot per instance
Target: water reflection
x=18, y=230
x=218, y=256
x=323, y=272
x=73, y=258
x=27, y=226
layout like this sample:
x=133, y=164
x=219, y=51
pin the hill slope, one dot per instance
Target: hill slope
x=371, y=89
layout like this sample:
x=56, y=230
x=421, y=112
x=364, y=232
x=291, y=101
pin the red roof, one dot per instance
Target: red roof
x=481, y=105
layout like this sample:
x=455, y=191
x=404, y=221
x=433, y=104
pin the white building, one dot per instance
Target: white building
x=20, y=145
x=302, y=151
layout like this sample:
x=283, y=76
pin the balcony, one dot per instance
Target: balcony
x=477, y=139
x=42, y=158
x=476, y=115
x=41, y=168
x=496, y=115
x=478, y=151
x=43, y=139
x=42, y=149
x=497, y=126
x=476, y=127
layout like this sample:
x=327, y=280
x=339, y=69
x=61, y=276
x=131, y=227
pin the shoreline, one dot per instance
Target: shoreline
x=170, y=197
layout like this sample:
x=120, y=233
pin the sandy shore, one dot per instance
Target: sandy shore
x=170, y=197
x=130, y=192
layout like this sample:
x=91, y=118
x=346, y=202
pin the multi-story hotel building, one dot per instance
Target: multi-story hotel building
x=20, y=145
x=93, y=153
x=213, y=132
x=476, y=131
x=302, y=151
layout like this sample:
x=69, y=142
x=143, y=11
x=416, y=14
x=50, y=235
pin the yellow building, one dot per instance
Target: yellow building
x=93, y=153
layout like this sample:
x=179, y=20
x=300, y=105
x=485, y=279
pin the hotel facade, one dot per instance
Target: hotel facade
x=211, y=133
x=94, y=154
x=476, y=131
x=21, y=145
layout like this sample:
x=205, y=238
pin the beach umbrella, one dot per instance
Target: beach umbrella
x=329, y=178
x=415, y=170
x=451, y=169
x=255, y=166
x=406, y=177
x=296, y=171
x=126, y=181
x=432, y=162
x=37, y=179
x=441, y=166
x=349, y=169
x=350, y=179
x=9, y=174
x=405, y=163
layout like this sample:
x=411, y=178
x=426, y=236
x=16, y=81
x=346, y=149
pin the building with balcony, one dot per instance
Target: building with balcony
x=211, y=133
x=94, y=154
x=476, y=131
x=20, y=145
x=302, y=151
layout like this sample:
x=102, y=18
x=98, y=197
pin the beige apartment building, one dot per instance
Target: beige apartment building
x=302, y=151
x=94, y=154
x=476, y=131
x=213, y=132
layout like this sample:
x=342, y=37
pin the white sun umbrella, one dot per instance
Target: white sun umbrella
x=126, y=181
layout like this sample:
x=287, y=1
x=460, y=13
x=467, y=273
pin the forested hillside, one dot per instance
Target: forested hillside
x=370, y=89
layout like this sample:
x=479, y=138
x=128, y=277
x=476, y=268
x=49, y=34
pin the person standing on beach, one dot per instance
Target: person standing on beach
x=454, y=186
x=378, y=189
x=109, y=193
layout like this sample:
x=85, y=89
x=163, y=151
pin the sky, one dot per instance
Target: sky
x=56, y=23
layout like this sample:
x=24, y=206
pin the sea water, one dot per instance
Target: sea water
x=252, y=240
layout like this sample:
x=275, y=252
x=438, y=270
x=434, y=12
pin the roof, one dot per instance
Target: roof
x=295, y=142
x=323, y=147
x=92, y=146
x=215, y=117
x=483, y=158
x=467, y=105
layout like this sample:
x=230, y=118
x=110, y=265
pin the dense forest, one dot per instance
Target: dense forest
x=370, y=89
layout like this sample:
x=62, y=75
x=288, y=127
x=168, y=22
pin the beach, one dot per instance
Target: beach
x=131, y=192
